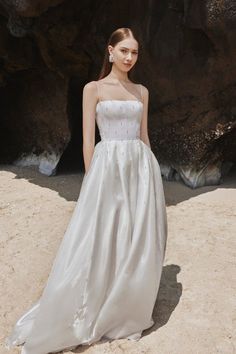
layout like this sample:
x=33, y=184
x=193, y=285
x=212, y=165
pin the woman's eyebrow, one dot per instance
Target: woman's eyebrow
x=128, y=48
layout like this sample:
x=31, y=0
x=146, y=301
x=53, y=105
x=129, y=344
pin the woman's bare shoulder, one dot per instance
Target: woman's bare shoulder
x=90, y=86
x=144, y=88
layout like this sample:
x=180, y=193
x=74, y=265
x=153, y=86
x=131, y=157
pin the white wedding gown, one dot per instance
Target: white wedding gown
x=106, y=274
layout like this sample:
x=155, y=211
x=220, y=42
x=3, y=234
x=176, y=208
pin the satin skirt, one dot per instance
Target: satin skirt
x=106, y=274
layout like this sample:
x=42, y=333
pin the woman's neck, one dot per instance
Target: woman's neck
x=119, y=75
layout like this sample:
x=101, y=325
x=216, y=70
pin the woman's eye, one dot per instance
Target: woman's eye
x=126, y=51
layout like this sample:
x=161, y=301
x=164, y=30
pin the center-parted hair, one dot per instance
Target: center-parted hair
x=117, y=36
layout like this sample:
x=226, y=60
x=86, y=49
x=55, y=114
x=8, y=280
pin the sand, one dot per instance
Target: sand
x=195, y=309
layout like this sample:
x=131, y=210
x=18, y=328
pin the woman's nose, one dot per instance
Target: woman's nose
x=129, y=56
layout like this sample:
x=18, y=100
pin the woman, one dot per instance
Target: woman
x=105, y=277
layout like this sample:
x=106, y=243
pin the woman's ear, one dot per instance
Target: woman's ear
x=110, y=49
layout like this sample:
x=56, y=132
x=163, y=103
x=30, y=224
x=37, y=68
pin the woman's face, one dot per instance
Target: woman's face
x=125, y=53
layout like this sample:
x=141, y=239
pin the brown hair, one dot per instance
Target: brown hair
x=118, y=35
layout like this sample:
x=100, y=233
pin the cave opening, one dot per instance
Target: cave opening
x=10, y=142
x=71, y=160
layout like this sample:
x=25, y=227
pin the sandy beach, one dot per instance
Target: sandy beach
x=195, y=309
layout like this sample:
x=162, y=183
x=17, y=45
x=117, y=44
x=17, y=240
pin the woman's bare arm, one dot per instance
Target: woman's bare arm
x=89, y=111
x=144, y=122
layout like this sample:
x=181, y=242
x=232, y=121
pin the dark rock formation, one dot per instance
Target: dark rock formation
x=28, y=8
x=194, y=94
x=187, y=61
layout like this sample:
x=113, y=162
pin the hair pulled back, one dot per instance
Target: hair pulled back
x=117, y=36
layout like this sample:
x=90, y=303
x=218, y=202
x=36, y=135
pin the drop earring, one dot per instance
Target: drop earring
x=111, y=58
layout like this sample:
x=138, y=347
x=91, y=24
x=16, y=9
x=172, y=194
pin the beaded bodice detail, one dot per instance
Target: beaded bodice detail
x=119, y=119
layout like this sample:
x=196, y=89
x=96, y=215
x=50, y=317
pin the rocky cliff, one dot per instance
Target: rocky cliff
x=50, y=49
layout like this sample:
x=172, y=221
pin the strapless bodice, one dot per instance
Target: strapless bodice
x=119, y=119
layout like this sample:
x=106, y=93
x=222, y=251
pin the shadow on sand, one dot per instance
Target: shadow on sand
x=68, y=185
